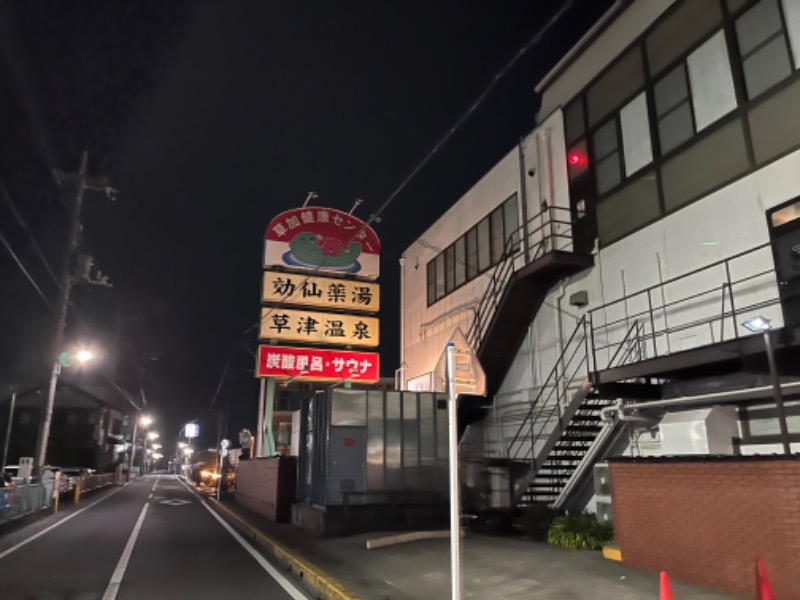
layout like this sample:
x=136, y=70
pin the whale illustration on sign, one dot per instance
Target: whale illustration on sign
x=322, y=239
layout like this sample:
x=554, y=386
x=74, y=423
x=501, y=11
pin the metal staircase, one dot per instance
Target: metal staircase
x=564, y=422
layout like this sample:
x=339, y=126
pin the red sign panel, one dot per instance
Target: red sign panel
x=317, y=364
x=322, y=239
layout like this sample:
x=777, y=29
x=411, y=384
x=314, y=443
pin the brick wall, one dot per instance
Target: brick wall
x=706, y=519
x=266, y=486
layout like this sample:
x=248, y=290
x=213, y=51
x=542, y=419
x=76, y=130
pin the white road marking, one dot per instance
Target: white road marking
x=150, y=497
x=116, y=579
x=272, y=571
x=54, y=525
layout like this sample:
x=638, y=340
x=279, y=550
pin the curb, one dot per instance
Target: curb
x=325, y=586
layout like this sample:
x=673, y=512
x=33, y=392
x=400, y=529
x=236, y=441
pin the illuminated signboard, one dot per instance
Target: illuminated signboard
x=192, y=430
x=320, y=292
x=290, y=325
x=324, y=240
x=316, y=364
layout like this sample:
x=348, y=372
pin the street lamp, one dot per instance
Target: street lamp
x=152, y=435
x=759, y=324
x=145, y=421
x=156, y=446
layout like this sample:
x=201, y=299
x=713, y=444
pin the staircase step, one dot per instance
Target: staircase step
x=577, y=438
x=583, y=428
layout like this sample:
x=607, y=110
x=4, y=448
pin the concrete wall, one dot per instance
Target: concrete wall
x=672, y=515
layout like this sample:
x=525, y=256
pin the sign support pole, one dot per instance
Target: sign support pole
x=269, y=406
x=258, y=443
x=455, y=504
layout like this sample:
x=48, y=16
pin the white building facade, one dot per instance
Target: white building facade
x=603, y=268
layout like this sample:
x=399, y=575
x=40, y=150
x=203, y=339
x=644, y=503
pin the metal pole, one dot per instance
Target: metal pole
x=269, y=405
x=776, y=392
x=63, y=304
x=8, y=427
x=133, y=446
x=455, y=504
x=259, y=441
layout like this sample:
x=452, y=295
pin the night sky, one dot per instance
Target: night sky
x=212, y=117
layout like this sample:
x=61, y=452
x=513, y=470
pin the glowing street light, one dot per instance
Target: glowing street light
x=156, y=446
x=182, y=445
x=188, y=451
x=157, y=456
x=84, y=355
x=145, y=421
x=152, y=435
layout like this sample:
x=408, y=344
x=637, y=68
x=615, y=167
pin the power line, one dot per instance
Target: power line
x=375, y=217
x=25, y=271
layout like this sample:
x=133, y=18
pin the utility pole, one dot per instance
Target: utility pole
x=84, y=183
x=8, y=427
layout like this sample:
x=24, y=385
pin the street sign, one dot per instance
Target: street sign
x=291, y=325
x=468, y=374
x=192, y=430
x=321, y=292
x=317, y=364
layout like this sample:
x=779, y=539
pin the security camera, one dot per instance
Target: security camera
x=531, y=172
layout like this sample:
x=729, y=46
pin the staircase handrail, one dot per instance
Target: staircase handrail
x=551, y=385
x=517, y=244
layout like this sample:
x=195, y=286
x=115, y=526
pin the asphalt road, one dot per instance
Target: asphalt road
x=152, y=539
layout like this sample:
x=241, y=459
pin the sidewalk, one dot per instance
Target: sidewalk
x=493, y=567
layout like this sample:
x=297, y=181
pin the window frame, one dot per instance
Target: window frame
x=744, y=104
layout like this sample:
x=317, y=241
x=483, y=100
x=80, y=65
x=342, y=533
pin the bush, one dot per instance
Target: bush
x=577, y=532
x=536, y=520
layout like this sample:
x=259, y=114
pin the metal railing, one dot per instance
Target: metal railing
x=570, y=369
x=684, y=312
x=549, y=230
x=24, y=499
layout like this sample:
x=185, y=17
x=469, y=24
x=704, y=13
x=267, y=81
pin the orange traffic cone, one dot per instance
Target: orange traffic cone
x=763, y=588
x=666, y=590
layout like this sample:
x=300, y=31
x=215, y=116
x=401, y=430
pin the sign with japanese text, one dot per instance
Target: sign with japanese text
x=322, y=292
x=324, y=240
x=317, y=364
x=291, y=325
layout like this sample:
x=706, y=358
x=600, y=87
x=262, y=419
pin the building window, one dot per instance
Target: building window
x=673, y=109
x=440, y=276
x=449, y=269
x=764, y=47
x=695, y=94
x=472, y=254
x=461, y=261
x=498, y=238
x=511, y=220
x=431, y=282
x=606, y=151
x=476, y=251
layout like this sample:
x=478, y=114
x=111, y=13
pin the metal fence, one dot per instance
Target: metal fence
x=24, y=499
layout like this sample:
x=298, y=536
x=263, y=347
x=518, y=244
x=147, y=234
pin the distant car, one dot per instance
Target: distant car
x=74, y=474
x=64, y=485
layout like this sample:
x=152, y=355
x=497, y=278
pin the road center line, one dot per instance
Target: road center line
x=54, y=525
x=119, y=572
x=287, y=585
